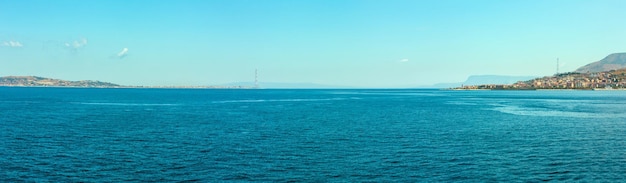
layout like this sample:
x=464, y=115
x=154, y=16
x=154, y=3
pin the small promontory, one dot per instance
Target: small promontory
x=35, y=81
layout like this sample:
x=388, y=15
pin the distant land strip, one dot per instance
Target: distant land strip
x=35, y=81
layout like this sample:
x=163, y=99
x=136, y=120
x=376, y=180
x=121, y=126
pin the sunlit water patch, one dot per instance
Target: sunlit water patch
x=535, y=111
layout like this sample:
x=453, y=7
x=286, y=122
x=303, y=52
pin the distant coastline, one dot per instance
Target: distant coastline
x=36, y=81
x=608, y=80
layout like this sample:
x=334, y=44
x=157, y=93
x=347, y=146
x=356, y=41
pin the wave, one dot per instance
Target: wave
x=390, y=93
x=123, y=104
x=283, y=100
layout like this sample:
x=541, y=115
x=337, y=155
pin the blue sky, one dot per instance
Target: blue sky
x=359, y=43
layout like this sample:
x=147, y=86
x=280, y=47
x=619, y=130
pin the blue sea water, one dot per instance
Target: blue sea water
x=180, y=135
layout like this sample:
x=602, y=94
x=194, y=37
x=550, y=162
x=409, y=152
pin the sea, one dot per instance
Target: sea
x=329, y=135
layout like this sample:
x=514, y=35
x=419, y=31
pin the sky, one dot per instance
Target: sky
x=358, y=43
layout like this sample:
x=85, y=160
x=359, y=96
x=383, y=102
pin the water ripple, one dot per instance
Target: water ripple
x=309, y=136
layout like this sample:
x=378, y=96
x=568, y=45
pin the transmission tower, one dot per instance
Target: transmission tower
x=256, y=78
x=557, y=66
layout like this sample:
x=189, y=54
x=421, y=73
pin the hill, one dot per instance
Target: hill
x=41, y=81
x=613, y=61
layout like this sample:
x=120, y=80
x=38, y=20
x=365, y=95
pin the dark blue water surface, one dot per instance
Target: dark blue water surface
x=145, y=135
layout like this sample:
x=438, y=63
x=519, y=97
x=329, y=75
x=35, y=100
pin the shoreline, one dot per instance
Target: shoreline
x=133, y=87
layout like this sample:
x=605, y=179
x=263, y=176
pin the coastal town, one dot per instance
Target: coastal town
x=614, y=79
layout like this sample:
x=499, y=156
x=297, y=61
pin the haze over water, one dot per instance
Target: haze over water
x=143, y=135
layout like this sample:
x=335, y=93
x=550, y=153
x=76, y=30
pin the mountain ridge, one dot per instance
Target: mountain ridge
x=612, y=61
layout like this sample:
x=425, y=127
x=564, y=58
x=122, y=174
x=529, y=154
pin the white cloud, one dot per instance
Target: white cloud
x=404, y=60
x=15, y=44
x=76, y=43
x=122, y=53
